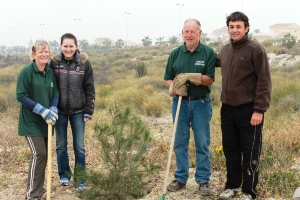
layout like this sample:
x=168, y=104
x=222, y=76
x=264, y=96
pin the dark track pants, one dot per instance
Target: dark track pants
x=36, y=173
x=241, y=146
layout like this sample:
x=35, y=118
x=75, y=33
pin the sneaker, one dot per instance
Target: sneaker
x=64, y=181
x=80, y=188
x=245, y=196
x=204, y=189
x=175, y=186
x=228, y=193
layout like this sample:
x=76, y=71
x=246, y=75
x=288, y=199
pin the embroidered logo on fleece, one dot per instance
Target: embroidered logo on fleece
x=200, y=62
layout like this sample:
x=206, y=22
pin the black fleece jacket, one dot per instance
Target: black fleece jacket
x=75, y=82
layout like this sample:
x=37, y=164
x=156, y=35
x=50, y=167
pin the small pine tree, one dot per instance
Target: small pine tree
x=124, y=142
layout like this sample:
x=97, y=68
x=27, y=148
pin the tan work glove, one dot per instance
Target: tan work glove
x=195, y=78
x=181, y=91
x=181, y=79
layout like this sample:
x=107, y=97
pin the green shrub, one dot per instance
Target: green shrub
x=153, y=106
x=280, y=51
x=124, y=141
x=140, y=69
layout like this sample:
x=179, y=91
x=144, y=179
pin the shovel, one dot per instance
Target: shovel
x=171, y=148
x=49, y=161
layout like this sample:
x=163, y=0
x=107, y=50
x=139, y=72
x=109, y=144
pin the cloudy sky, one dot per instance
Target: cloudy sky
x=21, y=20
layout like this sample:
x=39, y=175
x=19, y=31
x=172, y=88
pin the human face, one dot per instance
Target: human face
x=68, y=48
x=237, y=30
x=191, y=33
x=41, y=55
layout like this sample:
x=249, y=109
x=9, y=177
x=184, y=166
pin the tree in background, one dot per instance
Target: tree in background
x=160, y=41
x=107, y=43
x=3, y=49
x=120, y=43
x=256, y=31
x=289, y=41
x=173, y=40
x=147, y=41
x=204, y=39
x=30, y=43
x=83, y=44
x=54, y=45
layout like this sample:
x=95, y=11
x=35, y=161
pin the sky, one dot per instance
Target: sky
x=22, y=20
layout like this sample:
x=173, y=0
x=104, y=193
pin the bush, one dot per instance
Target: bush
x=141, y=69
x=281, y=50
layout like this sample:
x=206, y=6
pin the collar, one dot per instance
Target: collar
x=245, y=40
x=197, y=49
x=76, y=57
x=36, y=69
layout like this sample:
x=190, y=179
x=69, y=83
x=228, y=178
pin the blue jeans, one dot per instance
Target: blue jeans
x=195, y=114
x=78, y=128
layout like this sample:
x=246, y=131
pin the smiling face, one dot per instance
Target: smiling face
x=237, y=30
x=191, y=33
x=68, y=48
x=41, y=55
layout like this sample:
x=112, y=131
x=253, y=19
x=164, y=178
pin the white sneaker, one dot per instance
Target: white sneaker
x=64, y=181
x=296, y=195
x=245, y=196
x=228, y=193
x=80, y=188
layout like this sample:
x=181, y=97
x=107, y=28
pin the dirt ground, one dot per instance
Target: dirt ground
x=14, y=187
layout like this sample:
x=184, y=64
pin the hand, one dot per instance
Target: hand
x=181, y=91
x=87, y=117
x=180, y=80
x=256, y=118
x=195, y=78
x=48, y=115
x=54, y=111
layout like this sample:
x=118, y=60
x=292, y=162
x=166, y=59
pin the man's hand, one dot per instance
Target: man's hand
x=195, y=78
x=256, y=118
x=181, y=79
x=181, y=91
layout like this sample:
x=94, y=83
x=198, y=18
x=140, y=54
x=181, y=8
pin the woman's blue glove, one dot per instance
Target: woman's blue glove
x=49, y=116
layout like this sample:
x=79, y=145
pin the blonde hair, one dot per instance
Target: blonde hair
x=38, y=43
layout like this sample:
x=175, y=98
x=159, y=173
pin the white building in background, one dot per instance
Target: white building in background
x=220, y=35
x=277, y=32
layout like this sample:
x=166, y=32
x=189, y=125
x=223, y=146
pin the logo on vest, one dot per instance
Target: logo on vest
x=200, y=62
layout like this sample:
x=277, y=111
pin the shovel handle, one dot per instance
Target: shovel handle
x=172, y=144
x=49, y=161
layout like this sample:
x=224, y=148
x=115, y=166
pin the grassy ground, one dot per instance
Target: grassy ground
x=116, y=82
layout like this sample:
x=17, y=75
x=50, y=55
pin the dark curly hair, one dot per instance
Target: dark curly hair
x=237, y=16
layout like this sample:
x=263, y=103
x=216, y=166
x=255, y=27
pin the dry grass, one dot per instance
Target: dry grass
x=148, y=96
